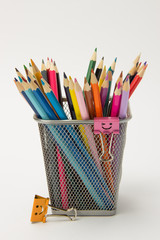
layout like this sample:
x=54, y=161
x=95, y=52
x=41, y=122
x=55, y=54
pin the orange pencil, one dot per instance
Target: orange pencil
x=96, y=95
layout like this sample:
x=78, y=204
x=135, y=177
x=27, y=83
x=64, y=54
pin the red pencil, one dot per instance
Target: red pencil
x=53, y=79
x=137, y=80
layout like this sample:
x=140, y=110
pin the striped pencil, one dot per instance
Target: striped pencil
x=106, y=105
x=20, y=76
x=58, y=85
x=89, y=100
x=53, y=100
x=102, y=77
x=91, y=66
x=124, y=99
x=53, y=79
x=68, y=96
x=99, y=69
x=96, y=95
x=137, y=80
x=44, y=71
x=104, y=90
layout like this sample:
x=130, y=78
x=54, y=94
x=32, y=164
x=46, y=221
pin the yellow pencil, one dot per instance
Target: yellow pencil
x=102, y=77
x=37, y=74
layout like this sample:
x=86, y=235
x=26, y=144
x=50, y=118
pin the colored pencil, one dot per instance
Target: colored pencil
x=20, y=76
x=37, y=74
x=53, y=100
x=53, y=79
x=124, y=99
x=113, y=65
x=141, y=67
x=44, y=71
x=137, y=59
x=99, y=69
x=104, y=90
x=106, y=105
x=91, y=66
x=116, y=101
x=137, y=80
x=74, y=99
x=96, y=95
x=22, y=91
x=68, y=96
x=58, y=85
x=48, y=67
x=132, y=72
x=30, y=68
x=88, y=131
x=89, y=100
x=34, y=101
x=102, y=77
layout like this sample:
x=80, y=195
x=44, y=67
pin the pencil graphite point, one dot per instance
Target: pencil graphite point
x=16, y=70
x=95, y=49
x=115, y=59
x=48, y=58
x=54, y=63
x=65, y=76
x=42, y=61
x=30, y=64
x=145, y=63
x=121, y=75
x=75, y=80
x=15, y=79
x=25, y=67
x=51, y=60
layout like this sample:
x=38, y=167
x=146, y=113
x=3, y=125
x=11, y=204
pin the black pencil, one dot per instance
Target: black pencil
x=99, y=69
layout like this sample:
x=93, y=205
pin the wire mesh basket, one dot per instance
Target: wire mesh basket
x=83, y=169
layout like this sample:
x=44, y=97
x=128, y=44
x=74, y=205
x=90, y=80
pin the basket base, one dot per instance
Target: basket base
x=88, y=213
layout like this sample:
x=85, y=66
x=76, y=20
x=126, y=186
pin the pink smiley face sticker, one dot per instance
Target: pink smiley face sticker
x=106, y=125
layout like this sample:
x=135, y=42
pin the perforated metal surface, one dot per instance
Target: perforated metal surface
x=75, y=175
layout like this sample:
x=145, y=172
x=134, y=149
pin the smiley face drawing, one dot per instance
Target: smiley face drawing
x=106, y=125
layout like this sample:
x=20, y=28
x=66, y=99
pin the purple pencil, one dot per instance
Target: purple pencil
x=124, y=99
x=104, y=90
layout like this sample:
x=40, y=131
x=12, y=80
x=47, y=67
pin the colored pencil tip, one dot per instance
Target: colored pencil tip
x=54, y=63
x=145, y=63
x=25, y=68
x=32, y=62
x=30, y=65
x=85, y=80
x=127, y=78
x=121, y=75
x=16, y=70
x=92, y=71
x=119, y=85
x=106, y=78
x=51, y=60
x=70, y=78
x=103, y=58
x=47, y=58
x=75, y=80
x=65, y=76
x=42, y=61
x=95, y=50
x=115, y=59
x=15, y=79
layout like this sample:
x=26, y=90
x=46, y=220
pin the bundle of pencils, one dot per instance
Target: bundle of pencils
x=42, y=91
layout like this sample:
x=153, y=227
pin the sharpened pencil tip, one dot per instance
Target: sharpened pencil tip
x=16, y=70
x=121, y=75
x=30, y=64
x=75, y=80
x=42, y=61
x=95, y=50
x=70, y=78
x=54, y=63
x=92, y=71
x=145, y=63
x=15, y=79
x=127, y=78
x=51, y=60
x=103, y=58
x=25, y=68
x=47, y=58
x=64, y=75
x=115, y=59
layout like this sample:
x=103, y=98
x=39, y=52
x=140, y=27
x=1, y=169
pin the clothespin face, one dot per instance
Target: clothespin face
x=106, y=125
x=40, y=208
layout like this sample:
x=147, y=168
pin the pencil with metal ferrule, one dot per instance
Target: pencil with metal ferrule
x=99, y=69
x=89, y=100
x=22, y=91
x=91, y=66
x=53, y=79
x=106, y=105
x=137, y=80
x=44, y=71
x=68, y=96
x=53, y=100
x=37, y=74
x=58, y=85
x=96, y=95
x=124, y=99
x=20, y=76
x=102, y=77
x=104, y=91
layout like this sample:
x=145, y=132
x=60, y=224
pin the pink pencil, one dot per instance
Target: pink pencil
x=62, y=179
x=53, y=79
x=88, y=130
x=116, y=101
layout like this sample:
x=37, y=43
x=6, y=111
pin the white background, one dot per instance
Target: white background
x=68, y=31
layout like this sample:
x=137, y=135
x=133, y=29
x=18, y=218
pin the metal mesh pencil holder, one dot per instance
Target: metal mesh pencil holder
x=83, y=169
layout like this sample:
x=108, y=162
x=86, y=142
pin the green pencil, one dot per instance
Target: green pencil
x=91, y=66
